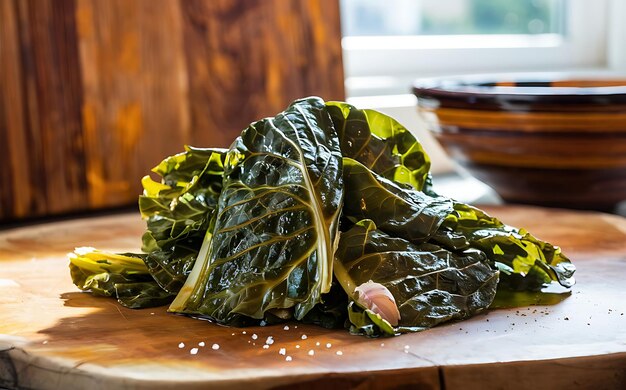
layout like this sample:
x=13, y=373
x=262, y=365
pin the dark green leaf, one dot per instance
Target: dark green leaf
x=138, y=295
x=122, y=276
x=430, y=284
x=396, y=209
x=528, y=262
x=179, y=206
x=177, y=212
x=274, y=235
x=531, y=262
x=170, y=267
x=380, y=143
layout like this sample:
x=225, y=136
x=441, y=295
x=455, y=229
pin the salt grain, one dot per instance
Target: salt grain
x=270, y=340
x=297, y=346
x=311, y=352
x=201, y=344
x=288, y=359
x=304, y=337
x=328, y=345
x=181, y=345
x=318, y=343
x=254, y=336
x=282, y=351
x=244, y=332
x=339, y=353
x=215, y=346
x=286, y=327
x=193, y=351
x=266, y=346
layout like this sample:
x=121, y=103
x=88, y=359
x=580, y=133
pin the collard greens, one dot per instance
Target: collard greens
x=430, y=284
x=276, y=223
x=326, y=214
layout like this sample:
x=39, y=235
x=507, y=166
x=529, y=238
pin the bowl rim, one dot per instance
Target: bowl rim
x=467, y=87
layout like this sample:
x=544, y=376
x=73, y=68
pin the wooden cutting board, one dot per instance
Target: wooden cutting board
x=54, y=337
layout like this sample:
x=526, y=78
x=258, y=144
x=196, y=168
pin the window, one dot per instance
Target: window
x=446, y=17
x=389, y=43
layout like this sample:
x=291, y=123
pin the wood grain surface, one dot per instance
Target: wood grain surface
x=95, y=93
x=54, y=337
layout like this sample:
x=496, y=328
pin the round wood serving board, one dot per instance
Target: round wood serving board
x=54, y=337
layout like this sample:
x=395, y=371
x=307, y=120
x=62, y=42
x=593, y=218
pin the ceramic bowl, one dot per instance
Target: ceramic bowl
x=549, y=139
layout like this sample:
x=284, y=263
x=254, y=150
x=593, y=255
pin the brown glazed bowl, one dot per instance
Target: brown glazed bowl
x=550, y=140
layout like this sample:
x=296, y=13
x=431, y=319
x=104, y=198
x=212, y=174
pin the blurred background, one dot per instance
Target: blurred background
x=437, y=17
x=388, y=45
x=94, y=93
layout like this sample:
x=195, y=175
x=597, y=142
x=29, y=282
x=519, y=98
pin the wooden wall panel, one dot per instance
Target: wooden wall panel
x=54, y=89
x=95, y=93
x=14, y=170
x=247, y=58
x=135, y=93
x=43, y=129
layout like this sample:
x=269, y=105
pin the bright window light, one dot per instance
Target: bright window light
x=452, y=17
x=387, y=44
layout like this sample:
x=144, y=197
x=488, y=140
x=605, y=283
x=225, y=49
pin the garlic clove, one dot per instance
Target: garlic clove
x=378, y=298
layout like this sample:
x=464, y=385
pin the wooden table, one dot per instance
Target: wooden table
x=54, y=337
